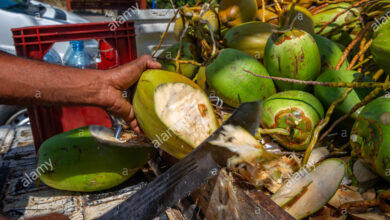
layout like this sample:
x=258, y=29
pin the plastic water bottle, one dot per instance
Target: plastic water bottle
x=52, y=57
x=77, y=57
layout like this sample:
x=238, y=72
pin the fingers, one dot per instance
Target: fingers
x=126, y=111
x=128, y=74
x=149, y=63
x=121, y=79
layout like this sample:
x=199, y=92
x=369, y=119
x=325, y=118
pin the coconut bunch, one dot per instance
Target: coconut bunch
x=318, y=66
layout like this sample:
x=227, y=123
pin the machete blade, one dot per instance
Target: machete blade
x=188, y=174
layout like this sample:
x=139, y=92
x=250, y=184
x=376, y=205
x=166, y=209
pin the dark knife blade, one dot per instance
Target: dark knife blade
x=188, y=174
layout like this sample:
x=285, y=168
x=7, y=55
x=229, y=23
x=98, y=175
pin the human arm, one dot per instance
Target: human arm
x=29, y=82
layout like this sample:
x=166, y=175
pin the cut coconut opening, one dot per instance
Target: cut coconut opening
x=185, y=110
x=327, y=177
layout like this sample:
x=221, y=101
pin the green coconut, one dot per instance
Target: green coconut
x=226, y=76
x=249, y=37
x=303, y=20
x=173, y=112
x=330, y=52
x=380, y=48
x=294, y=55
x=188, y=52
x=370, y=136
x=326, y=14
x=328, y=95
x=81, y=163
x=295, y=111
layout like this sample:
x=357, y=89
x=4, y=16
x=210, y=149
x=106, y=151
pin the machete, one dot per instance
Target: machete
x=188, y=174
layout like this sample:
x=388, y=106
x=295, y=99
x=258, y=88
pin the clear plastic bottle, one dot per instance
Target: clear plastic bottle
x=52, y=57
x=76, y=56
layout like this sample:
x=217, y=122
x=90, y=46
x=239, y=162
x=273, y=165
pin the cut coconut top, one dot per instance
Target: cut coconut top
x=292, y=188
x=317, y=155
x=241, y=142
x=185, y=110
x=327, y=177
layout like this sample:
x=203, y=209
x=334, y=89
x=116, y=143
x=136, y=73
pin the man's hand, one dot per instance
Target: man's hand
x=31, y=83
x=117, y=81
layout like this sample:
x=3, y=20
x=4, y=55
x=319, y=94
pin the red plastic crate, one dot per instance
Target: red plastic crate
x=34, y=42
x=104, y=4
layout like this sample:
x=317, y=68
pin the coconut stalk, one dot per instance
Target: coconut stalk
x=321, y=125
x=353, y=85
x=165, y=33
x=360, y=54
x=352, y=45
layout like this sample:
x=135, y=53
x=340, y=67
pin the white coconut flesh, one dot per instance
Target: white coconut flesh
x=186, y=111
x=327, y=177
x=241, y=142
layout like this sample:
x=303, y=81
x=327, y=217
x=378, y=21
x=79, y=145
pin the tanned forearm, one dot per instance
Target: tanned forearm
x=31, y=83
x=28, y=82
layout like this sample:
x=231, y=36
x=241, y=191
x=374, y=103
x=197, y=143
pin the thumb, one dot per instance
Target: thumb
x=146, y=62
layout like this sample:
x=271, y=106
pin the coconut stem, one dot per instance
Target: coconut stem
x=197, y=3
x=332, y=1
x=364, y=102
x=337, y=29
x=165, y=33
x=289, y=28
x=183, y=34
x=327, y=84
x=212, y=37
x=360, y=54
x=321, y=125
x=362, y=63
x=378, y=74
x=278, y=131
x=263, y=10
x=351, y=46
x=361, y=58
x=341, y=13
x=277, y=7
x=314, y=11
x=193, y=62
